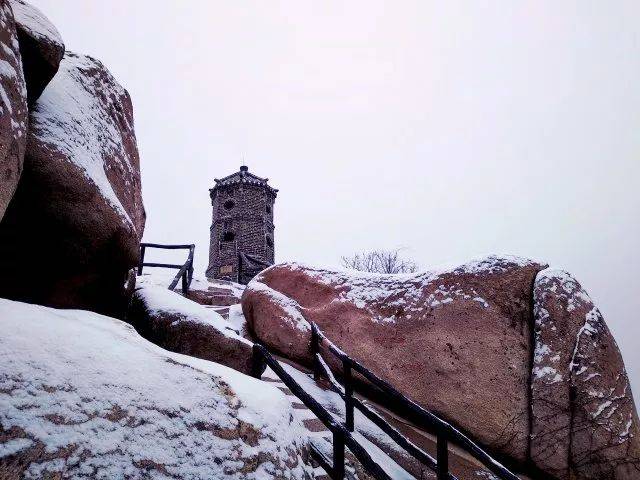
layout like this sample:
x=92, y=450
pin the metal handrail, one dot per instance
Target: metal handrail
x=341, y=435
x=185, y=271
x=425, y=419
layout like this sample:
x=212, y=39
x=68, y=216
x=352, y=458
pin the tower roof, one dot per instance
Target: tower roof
x=243, y=176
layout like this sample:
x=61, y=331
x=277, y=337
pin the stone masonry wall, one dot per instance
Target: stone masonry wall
x=242, y=221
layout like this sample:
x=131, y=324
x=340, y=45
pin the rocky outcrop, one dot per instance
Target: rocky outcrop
x=584, y=422
x=471, y=329
x=73, y=229
x=41, y=47
x=83, y=395
x=183, y=326
x=13, y=108
x=464, y=329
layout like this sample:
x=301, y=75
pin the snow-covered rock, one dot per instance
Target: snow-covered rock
x=72, y=231
x=13, y=107
x=432, y=335
x=84, y=396
x=462, y=343
x=184, y=326
x=41, y=47
x=584, y=422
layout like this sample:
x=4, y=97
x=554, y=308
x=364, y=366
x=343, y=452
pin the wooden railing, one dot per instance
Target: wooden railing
x=342, y=432
x=185, y=271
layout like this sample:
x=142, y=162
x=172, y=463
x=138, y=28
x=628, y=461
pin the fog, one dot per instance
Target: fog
x=448, y=129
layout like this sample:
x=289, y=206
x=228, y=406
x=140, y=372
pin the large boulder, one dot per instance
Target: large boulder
x=41, y=47
x=13, y=108
x=461, y=342
x=72, y=231
x=584, y=422
x=432, y=335
x=183, y=326
x=84, y=396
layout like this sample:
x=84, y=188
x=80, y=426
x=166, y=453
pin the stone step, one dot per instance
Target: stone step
x=314, y=425
x=222, y=300
x=220, y=291
x=286, y=391
x=272, y=380
x=203, y=297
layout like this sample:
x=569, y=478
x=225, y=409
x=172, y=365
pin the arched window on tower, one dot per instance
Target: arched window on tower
x=269, y=242
x=228, y=237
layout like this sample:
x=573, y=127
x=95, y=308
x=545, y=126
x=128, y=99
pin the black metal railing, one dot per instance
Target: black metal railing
x=342, y=432
x=185, y=271
x=341, y=435
x=422, y=418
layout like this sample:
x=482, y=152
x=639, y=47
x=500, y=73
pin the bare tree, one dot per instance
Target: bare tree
x=379, y=261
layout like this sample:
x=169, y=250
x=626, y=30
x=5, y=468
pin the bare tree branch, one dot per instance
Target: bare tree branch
x=379, y=261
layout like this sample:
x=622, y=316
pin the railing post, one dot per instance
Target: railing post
x=348, y=394
x=338, y=455
x=257, y=362
x=141, y=262
x=190, y=260
x=315, y=350
x=442, y=458
x=185, y=284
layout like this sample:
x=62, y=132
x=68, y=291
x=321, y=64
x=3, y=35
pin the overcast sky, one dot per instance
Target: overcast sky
x=449, y=129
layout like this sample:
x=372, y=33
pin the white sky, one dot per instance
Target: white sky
x=450, y=129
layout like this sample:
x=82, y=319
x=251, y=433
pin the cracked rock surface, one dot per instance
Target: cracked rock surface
x=584, y=421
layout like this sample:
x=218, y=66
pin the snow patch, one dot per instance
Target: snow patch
x=548, y=373
x=237, y=320
x=14, y=446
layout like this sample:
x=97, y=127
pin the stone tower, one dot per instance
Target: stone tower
x=241, y=227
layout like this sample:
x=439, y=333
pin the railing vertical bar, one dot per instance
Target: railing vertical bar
x=348, y=394
x=191, y=255
x=315, y=349
x=141, y=262
x=338, y=455
x=442, y=458
x=185, y=284
x=257, y=361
